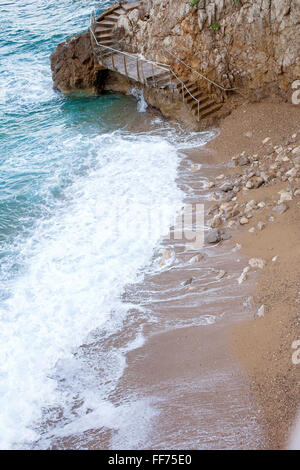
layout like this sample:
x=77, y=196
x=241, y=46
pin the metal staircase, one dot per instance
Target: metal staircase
x=146, y=72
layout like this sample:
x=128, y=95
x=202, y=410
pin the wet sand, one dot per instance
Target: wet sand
x=186, y=368
x=207, y=374
x=230, y=384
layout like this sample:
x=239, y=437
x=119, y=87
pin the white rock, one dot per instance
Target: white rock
x=261, y=312
x=284, y=196
x=257, y=263
x=275, y=259
x=220, y=275
x=261, y=226
x=244, y=276
x=244, y=221
x=266, y=140
x=220, y=177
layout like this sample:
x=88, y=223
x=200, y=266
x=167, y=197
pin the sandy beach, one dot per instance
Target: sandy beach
x=230, y=383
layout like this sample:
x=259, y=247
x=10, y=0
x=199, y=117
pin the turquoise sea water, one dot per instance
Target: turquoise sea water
x=64, y=163
x=67, y=164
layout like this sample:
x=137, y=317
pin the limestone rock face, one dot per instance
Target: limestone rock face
x=253, y=45
x=72, y=65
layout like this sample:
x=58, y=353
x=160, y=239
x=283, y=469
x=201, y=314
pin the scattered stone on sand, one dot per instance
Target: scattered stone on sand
x=244, y=276
x=215, y=221
x=251, y=230
x=196, y=258
x=281, y=209
x=209, y=184
x=275, y=259
x=244, y=220
x=266, y=140
x=188, y=281
x=257, y=263
x=213, y=236
x=261, y=312
x=226, y=187
x=285, y=196
x=243, y=161
x=220, y=275
x=167, y=254
x=261, y=226
x=220, y=177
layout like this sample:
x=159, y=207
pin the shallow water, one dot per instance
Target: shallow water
x=77, y=186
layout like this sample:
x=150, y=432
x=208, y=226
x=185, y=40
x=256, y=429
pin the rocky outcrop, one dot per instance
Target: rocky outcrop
x=250, y=45
x=73, y=67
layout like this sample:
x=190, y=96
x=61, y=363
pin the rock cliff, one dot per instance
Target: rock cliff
x=73, y=67
x=252, y=46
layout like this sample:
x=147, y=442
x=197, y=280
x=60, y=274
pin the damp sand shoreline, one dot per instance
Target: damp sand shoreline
x=238, y=386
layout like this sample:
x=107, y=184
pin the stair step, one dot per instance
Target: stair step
x=211, y=110
x=107, y=39
x=198, y=95
x=204, y=105
x=192, y=89
x=107, y=24
x=105, y=36
x=159, y=77
x=103, y=29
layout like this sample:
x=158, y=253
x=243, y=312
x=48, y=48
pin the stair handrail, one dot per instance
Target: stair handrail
x=200, y=74
x=164, y=67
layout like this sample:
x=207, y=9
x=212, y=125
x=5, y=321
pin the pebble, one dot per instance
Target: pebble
x=261, y=312
x=261, y=226
x=213, y=236
x=244, y=221
x=285, y=196
x=188, y=281
x=257, y=263
x=226, y=187
x=220, y=275
x=244, y=276
x=281, y=209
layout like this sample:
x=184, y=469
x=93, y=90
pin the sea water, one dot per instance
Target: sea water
x=72, y=176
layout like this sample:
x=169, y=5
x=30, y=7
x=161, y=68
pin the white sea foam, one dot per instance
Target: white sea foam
x=75, y=267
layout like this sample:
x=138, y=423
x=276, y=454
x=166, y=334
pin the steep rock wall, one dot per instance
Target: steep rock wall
x=253, y=45
x=73, y=67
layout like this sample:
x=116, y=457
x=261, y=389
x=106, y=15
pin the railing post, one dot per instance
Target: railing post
x=198, y=111
x=137, y=70
x=182, y=92
x=113, y=61
x=144, y=80
x=125, y=67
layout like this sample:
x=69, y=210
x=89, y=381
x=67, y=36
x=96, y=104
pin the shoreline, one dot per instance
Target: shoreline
x=240, y=338
x=264, y=345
